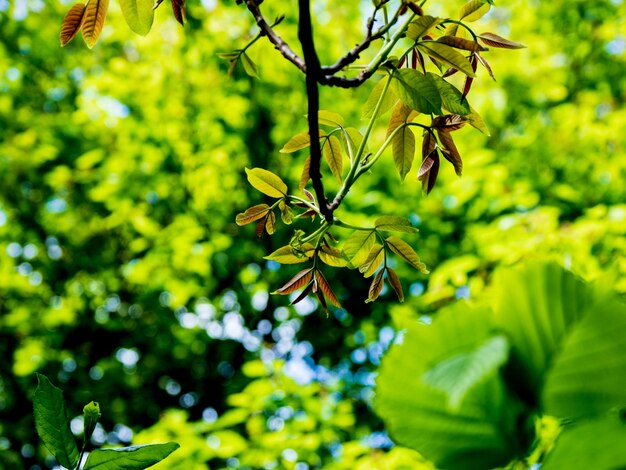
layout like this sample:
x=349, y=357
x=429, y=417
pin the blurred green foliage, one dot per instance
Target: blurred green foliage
x=124, y=277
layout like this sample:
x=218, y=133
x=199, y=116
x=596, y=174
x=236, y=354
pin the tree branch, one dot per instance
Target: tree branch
x=274, y=38
x=313, y=76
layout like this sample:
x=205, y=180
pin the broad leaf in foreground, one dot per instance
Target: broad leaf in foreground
x=129, y=458
x=139, y=15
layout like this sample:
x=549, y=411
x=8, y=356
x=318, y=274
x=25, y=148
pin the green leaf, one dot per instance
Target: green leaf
x=51, y=423
x=388, y=101
x=373, y=261
x=446, y=54
x=457, y=375
x=477, y=122
x=139, y=15
x=297, y=142
x=595, y=444
x=266, y=182
x=358, y=246
x=332, y=257
x=353, y=139
x=474, y=10
x=329, y=118
x=249, y=66
x=451, y=98
x=483, y=432
x=391, y=223
x=129, y=458
x=417, y=91
x=91, y=414
x=421, y=26
x=288, y=255
x=334, y=158
x=403, y=142
x=404, y=250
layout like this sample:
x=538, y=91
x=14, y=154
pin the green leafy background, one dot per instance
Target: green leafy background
x=124, y=278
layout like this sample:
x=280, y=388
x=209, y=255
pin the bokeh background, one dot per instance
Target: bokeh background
x=124, y=278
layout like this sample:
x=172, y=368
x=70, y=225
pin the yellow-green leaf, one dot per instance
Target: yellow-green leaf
x=421, y=26
x=288, y=255
x=392, y=223
x=95, y=14
x=461, y=43
x=266, y=182
x=297, y=142
x=72, y=23
x=353, y=139
x=374, y=259
x=249, y=66
x=358, y=246
x=404, y=250
x=270, y=224
x=477, y=122
x=252, y=214
x=332, y=257
x=329, y=118
x=474, y=10
x=403, y=142
x=332, y=153
x=388, y=101
x=447, y=54
x=139, y=15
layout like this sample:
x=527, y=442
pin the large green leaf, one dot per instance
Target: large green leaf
x=483, y=431
x=129, y=458
x=451, y=98
x=449, y=55
x=139, y=14
x=51, y=423
x=417, y=91
x=597, y=444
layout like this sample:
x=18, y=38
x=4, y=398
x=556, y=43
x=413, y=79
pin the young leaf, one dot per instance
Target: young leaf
x=388, y=101
x=421, y=26
x=266, y=182
x=461, y=43
x=260, y=227
x=403, y=249
x=328, y=118
x=326, y=289
x=394, y=282
x=450, y=152
x=429, y=171
x=403, y=142
x=358, y=246
x=305, y=177
x=129, y=458
x=178, y=7
x=72, y=23
x=474, y=10
x=95, y=14
x=297, y=282
x=446, y=54
x=139, y=15
x=286, y=213
x=270, y=223
x=51, y=423
x=452, y=99
x=288, y=255
x=297, y=142
x=376, y=287
x=91, y=414
x=449, y=122
x=391, y=223
x=252, y=214
x=353, y=139
x=477, y=122
x=417, y=91
x=249, y=66
x=332, y=153
x=374, y=259
x=485, y=64
x=494, y=40
x=332, y=257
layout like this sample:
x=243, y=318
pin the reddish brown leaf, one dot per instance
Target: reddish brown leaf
x=95, y=14
x=307, y=290
x=297, y=282
x=494, y=40
x=449, y=122
x=376, y=287
x=178, y=6
x=428, y=144
x=485, y=64
x=260, y=227
x=253, y=213
x=72, y=23
x=326, y=289
x=450, y=152
x=461, y=43
x=448, y=73
x=429, y=171
x=394, y=282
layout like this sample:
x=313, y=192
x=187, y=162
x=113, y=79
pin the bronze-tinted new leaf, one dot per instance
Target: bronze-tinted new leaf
x=494, y=40
x=178, y=6
x=394, y=282
x=72, y=23
x=253, y=213
x=306, y=291
x=404, y=250
x=325, y=288
x=461, y=43
x=95, y=14
x=429, y=171
x=446, y=54
x=376, y=287
x=449, y=122
x=297, y=282
x=485, y=64
x=450, y=152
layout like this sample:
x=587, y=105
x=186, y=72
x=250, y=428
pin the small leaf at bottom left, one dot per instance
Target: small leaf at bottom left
x=51, y=423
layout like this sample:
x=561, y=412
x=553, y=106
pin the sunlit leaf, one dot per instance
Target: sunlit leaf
x=270, y=223
x=286, y=213
x=52, y=424
x=95, y=14
x=391, y=223
x=72, y=23
x=249, y=66
x=334, y=158
x=139, y=15
x=373, y=261
x=388, y=101
x=404, y=250
x=376, y=287
x=252, y=214
x=461, y=43
x=288, y=255
x=477, y=122
x=129, y=458
x=486, y=64
x=332, y=257
x=266, y=182
x=394, y=282
x=297, y=142
x=297, y=282
x=446, y=54
x=403, y=142
x=494, y=40
x=326, y=289
x=358, y=246
x=421, y=26
x=417, y=91
x=329, y=118
x=474, y=10
x=452, y=99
